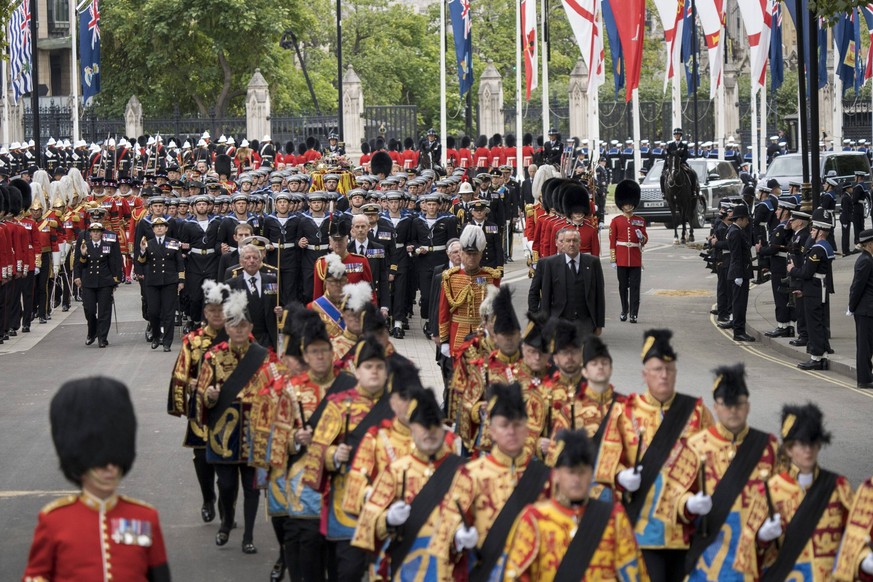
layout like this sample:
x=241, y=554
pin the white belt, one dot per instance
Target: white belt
x=437, y=248
x=725, y=252
x=202, y=251
x=821, y=276
x=628, y=244
x=782, y=255
x=317, y=247
x=285, y=245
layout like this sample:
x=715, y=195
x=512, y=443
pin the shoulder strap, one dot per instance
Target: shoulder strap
x=422, y=506
x=588, y=534
x=802, y=526
x=726, y=492
x=598, y=436
x=341, y=383
x=659, y=449
x=526, y=491
x=238, y=379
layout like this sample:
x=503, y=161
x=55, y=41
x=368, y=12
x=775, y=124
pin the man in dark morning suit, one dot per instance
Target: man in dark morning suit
x=378, y=256
x=569, y=285
x=262, y=295
x=164, y=278
x=97, y=270
x=861, y=306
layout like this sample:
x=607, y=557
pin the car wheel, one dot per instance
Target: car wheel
x=698, y=220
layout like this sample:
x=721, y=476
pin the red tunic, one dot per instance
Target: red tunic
x=68, y=545
x=465, y=158
x=498, y=156
x=509, y=156
x=409, y=159
x=625, y=246
x=34, y=241
x=357, y=270
x=482, y=157
x=527, y=154
x=589, y=237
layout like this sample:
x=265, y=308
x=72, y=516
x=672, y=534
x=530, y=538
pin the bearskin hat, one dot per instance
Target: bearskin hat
x=575, y=198
x=14, y=201
x=509, y=140
x=573, y=448
x=223, y=164
x=505, y=319
x=466, y=141
x=381, y=164
x=25, y=190
x=627, y=192
x=562, y=334
x=450, y=142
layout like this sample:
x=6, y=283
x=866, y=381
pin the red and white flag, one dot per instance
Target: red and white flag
x=758, y=20
x=587, y=24
x=711, y=14
x=867, y=12
x=530, y=41
x=672, y=21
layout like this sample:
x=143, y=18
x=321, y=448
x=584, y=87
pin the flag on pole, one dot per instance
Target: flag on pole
x=89, y=51
x=757, y=18
x=672, y=13
x=20, y=51
x=822, y=53
x=462, y=26
x=711, y=14
x=631, y=32
x=867, y=11
x=777, y=61
x=584, y=18
x=529, y=36
x=688, y=46
x=614, y=46
x=848, y=50
x=822, y=41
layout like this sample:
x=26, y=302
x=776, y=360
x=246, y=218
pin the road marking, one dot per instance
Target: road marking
x=813, y=373
x=36, y=493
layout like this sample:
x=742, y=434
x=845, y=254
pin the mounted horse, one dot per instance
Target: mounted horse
x=680, y=188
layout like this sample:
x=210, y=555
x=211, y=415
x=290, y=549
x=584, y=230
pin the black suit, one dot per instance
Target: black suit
x=740, y=268
x=100, y=270
x=861, y=304
x=165, y=269
x=378, y=257
x=261, y=306
x=578, y=297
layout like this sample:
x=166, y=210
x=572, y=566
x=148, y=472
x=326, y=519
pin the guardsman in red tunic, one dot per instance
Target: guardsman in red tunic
x=577, y=209
x=810, y=504
x=571, y=535
x=357, y=266
x=627, y=236
x=96, y=534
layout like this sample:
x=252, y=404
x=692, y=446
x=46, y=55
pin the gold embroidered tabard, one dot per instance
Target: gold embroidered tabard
x=380, y=446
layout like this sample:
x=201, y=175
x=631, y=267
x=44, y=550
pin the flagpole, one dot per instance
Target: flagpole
x=638, y=156
x=544, y=10
x=5, y=102
x=677, y=97
x=762, y=144
x=720, y=120
x=74, y=72
x=443, y=106
x=837, y=105
x=518, y=105
x=754, y=115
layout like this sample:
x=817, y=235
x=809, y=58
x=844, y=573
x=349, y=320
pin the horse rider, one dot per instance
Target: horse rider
x=679, y=148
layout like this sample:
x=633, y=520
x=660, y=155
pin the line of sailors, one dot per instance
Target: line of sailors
x=362, y=473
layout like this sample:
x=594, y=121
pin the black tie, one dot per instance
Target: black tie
x=160, y=241
x=573, y=266
x=360, y=249
x=254, y=283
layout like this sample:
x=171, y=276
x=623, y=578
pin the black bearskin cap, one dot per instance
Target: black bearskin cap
x=730, y=383
x=466, y=141
x=627, y=192
x=575, y=198
x=574, y=448
x=562, y=334
x=26, y=193
x=13, y=201
x=381, y=164
x=505, y=319
x=223, y=164
x=450, y=142
x=593, y=347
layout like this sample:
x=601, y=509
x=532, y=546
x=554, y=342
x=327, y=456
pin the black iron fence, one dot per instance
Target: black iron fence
x=391, y=121
x=191, y=127
x=297, y=128
x=57, y=121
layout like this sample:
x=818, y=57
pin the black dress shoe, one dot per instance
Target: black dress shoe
x=780, y=332
x=102, y=343
x=811, y=364
x=43, y=320
x=167, y=348
x=155, y=344
x=25, y=329
x=89, y=340
x=278, y=571
x=12, y=333
x=207, y=512
x=830, y=350
x=633, y=318
x=65, y=308
x=221, y=538
x=799, y=342
x=399, y=333
x=249, y=548
x=622, y=317
x=865, y=385
x=743, y=337
x=725, y=324
x=713, y=311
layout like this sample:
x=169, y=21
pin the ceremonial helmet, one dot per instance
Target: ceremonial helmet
x=677, y=130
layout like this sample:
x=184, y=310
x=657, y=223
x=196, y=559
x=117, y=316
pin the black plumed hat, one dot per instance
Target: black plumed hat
x=573, y=448
x=533, y=332
x=506, y=400
x=505, y=319
x=93, y=425
x=424, y=410
x=368, y=349
x=562, y=334
x=405, y=379
x=381, y=163
x=656, y=344
x=730, y=383
x=804, y=424
x=26, y=193
x=593, y=347
x=372, y=320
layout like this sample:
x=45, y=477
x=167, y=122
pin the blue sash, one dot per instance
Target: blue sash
x=331, y=311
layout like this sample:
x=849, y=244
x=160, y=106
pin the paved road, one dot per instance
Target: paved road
x=677, y=293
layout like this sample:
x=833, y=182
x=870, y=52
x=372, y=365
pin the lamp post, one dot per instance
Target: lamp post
x=339, y=67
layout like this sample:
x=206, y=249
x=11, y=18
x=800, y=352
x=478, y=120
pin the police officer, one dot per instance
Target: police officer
x=164, y=278
x=817, y=282
x=97, y=270
x=740, y=270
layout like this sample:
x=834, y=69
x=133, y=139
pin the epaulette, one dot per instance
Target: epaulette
x=58, y=503
x=270, y=267
x=495, y=273
x=137, y=501
x=449, y=272
x=528, y=210
x=236, y=271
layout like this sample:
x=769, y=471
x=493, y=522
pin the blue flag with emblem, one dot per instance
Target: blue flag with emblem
x=462, y=31
x=777, y=61
x=614, y=45
x=89, y=51
x=847, y=34
x=692, y=81
x=20, y=50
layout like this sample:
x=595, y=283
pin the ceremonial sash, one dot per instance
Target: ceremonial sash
x=331, y=311
x=526, y=491
x=726, y=492
x=341, y=383
x=802, y=526
x=380, y=411
x=421, y=507
x=237, y=380
x=662, y=443
x=588, y=534
x=598, y=436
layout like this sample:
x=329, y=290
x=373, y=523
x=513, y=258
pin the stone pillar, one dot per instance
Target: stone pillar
x=257, y=107
x=578, y=88
x=731, y=101
x=133, y=118
x=490, y=101
x=353, y=113
x=16, y=120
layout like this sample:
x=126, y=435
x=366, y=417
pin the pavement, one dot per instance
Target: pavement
x=761, y=317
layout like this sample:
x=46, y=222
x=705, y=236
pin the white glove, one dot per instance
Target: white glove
x=630, y=479
x=613, y=265
x=699, y=504
x=398, y=513
x=867, y=564
x=36, y=271
x=466, y=538
x=639, y=234
x=738, y=282
x=772, y=529
x=446, y=350
x=849, y=312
